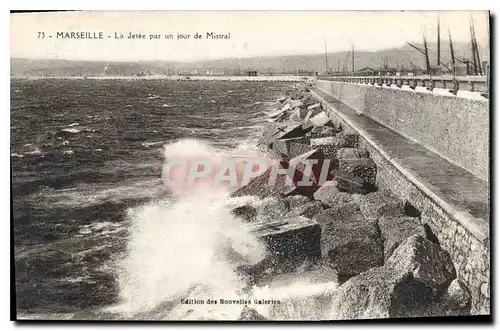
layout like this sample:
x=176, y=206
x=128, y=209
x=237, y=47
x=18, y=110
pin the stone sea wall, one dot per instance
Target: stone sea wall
x=356, y=229
x=469, y=251
x=456, y=128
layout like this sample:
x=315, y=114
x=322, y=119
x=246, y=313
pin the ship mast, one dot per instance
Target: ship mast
x=475, y=48
x=452, y=53
x=326, y=55
x=426, y=53
x=438, y=44
x=353, y=59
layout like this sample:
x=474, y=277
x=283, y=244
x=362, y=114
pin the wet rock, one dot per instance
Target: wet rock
x=313, y=305
x=319, y=119
x=296, y=131
x=295, y=115
x=314, y=106
x=323, y=131
x=376, y=204
x=283, y=146
x=259, y=186
x=352, y=139
x=250, y=314
x=246, y=212
x=351, y=153
x=293, y=190
x=428, y=262
x=270, y=133
x=308, y=209
x=296, y=103
x=290, y=241
x=302, y=112
x=360, y=167
x=313, y=173
x=457, y=299
x=254, y=274
x=329, y=195
x=378, y=293
x=395, y=229
x=329, y=145
x=295, y=149
x=272, y=209
x=279, y=116
x=270, y=128
x=353, y=184
x=311, y=112
x=296, y=201
x=348, y=242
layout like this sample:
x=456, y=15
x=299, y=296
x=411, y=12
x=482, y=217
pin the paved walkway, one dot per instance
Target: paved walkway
x=459, y=192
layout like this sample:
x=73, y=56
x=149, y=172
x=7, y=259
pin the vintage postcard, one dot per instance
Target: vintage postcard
x=250, y=165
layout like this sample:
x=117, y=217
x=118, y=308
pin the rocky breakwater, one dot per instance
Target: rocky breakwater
x=340, y=228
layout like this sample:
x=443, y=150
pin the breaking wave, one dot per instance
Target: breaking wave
x=189, y=245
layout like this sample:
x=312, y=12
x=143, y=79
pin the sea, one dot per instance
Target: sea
x=96, y=233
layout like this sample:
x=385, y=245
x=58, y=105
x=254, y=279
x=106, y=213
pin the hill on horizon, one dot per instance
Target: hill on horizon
x=404, y=56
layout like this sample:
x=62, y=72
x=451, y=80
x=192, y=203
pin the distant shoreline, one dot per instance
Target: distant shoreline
x=287, y=78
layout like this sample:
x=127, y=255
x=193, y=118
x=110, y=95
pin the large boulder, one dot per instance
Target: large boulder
x=296, y=131
x=270, y=128
x=364, y=168
x=457, y=299
x=296, y=201
x=245, y=212
x=378, y=293
x=330, y=196
x=296, y=103
x=308, y=209
x=352, y=153
x=290, y=241
x=329, y=145
x=353, y=184
x=317, y=160
x=376, y=204
x=319, y=119
x=314, y=106
x=298, y=148
x=270, y=133
x=259, y=186
x=322, y=131
x=272, y=209
x=426, y=261
x=395, y=229
x=352, y=139
x=312, y=111
x=308, y=294
x=250, y=314
x=348, y=242
x=283, y=146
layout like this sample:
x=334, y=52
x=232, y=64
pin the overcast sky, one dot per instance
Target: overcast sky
x=253, y=33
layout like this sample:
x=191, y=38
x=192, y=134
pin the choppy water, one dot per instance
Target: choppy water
x=96, y=234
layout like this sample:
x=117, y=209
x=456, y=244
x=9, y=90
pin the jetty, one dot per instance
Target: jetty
x=401, y=228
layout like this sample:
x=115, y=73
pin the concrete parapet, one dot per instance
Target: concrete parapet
x=451, y=202
x=455, y=128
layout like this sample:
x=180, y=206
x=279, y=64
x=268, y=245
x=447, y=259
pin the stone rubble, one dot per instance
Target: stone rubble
x=387, y=262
